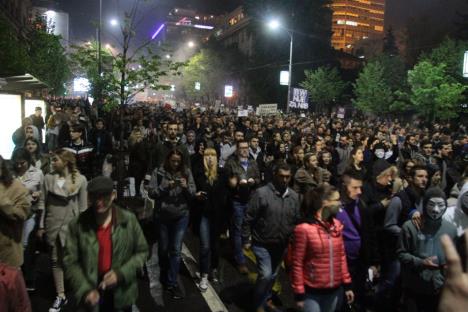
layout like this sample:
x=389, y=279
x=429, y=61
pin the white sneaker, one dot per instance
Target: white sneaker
x=59, y=303
x=203, y=285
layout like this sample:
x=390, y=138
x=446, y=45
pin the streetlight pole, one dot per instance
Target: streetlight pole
x=290, y=69
x=99, y=42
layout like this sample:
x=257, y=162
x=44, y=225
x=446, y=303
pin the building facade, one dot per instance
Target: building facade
x=233, y=32
x=58, y=22
x=355, y=21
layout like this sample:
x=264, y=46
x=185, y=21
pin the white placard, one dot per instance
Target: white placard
x=243, y=113
x=267, y=109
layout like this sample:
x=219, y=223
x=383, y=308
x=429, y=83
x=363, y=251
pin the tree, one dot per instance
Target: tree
x=14, y=57
x=207, y=68
x=47, y=58
x=131, y=68
x=41, y=55
x=433, y=93
x=450, y=52
x=372, y=91
x=324, y=85
x=390, y=45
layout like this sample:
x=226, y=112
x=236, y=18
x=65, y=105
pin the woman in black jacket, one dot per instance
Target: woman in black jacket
x=211, y=202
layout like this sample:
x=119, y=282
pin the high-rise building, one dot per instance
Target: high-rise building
x=185, y=25
x=233, y=31
x=356, y=20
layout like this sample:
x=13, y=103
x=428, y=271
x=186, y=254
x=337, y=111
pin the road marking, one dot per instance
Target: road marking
x=211, y=297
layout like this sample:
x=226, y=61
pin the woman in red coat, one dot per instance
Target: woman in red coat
x=319, y=268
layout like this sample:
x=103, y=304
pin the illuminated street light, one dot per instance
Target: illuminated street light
x=274, y=24
x=168, y=56
x=114, y=22
x=191, y=44
x=108, y=46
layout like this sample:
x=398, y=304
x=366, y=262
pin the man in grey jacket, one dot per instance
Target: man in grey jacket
x=421, y=256
x=271, y=215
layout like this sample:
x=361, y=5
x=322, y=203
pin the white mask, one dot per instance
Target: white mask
x=379, y=153
x=435, y=208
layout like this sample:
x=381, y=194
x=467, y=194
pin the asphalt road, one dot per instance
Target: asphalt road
x=234, y=289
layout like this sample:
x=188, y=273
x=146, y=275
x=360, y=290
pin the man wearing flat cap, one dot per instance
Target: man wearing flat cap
x=105, y=248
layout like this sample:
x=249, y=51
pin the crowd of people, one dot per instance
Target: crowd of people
x=355, y=208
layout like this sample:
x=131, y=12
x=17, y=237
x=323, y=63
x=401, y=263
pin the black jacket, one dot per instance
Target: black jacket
x=369, y=253
x=270, y=218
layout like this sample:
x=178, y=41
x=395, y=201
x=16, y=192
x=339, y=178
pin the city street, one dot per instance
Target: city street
x=233, y=292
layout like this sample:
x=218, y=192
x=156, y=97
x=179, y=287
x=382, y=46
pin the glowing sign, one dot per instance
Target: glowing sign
x=284, y=77
x=228, y=91
x=156, y=33
x=10, y=119
x=197, y=86
x=203, y=27
x=81, y=85
x=465, y=65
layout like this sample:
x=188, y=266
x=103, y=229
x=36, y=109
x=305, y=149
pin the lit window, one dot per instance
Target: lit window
x=378, y=28
x=340, y=22
x=351, y=23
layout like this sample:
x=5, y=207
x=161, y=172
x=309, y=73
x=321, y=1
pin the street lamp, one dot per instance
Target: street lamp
x=168, y=56
x=275, y=24
x=114, y=22
x=191, y=44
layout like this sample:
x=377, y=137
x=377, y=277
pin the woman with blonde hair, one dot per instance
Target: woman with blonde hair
x=64, y=197
x=211, y=202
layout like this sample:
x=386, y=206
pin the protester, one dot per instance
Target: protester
x=104, y=277
x=243, y=176
x=319, y=269
x=271, y=215
x=64, y=196
x=14, y=211
x=421, y=255
x=32, y=179
x=359, y=236
x=40, y=161
x=173, y=188
x=211, y=196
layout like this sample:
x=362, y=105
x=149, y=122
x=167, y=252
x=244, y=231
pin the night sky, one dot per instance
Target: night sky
x=83, y=12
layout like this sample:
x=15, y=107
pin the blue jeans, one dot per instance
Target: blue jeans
x=236, y=230
x=171, y=236
x=209, y=244
x=268, y=264
x=322, y=302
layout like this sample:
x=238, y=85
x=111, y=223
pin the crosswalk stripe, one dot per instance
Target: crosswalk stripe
x=211, y=297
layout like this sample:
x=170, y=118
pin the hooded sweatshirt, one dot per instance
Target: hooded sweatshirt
x=455, y=214
x=417, y=245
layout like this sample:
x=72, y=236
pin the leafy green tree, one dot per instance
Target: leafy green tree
x=13, y=53
x=208, y=69
x=40, y=55
x=47, y=58
x=372, y=91
x=324, y=85
x=449, y=52
x=433, y=93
